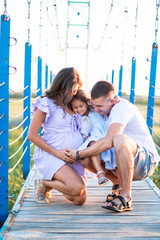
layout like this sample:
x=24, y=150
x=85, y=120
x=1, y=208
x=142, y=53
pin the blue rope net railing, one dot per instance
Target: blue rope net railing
x=15, y=149
x=10, y=160
x=4, y=112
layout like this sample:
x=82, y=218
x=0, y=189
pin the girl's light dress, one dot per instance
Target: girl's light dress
x=61, y=130
x=99, y=130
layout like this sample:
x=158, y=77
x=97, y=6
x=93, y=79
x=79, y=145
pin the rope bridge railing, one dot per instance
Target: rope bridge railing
x=8, y=164
x=151, y=111
x=151, y=97
x=5, y=169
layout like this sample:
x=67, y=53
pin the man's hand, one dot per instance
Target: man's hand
x=71, y=153
x=65, y=156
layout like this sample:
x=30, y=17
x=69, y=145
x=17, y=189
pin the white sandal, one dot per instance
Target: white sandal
x=41, y=197
x=102, y=181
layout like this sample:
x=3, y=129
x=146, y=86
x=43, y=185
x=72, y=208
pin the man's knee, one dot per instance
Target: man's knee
x=124, y=143
x=119, y=141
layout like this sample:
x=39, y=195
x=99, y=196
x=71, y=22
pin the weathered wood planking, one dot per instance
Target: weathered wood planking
x=60, y=219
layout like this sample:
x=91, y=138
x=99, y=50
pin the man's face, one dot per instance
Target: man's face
x=103, y=105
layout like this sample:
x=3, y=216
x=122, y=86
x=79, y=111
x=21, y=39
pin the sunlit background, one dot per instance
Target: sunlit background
x=93, y=36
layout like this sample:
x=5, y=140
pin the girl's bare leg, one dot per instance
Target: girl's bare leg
x=87, y=163
x=96, y=162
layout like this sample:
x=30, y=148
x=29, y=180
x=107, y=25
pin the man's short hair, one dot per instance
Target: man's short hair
x=101, y=89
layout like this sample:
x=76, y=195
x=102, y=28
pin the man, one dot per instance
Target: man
x=136, y=155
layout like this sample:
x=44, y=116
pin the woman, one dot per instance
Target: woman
x=61, y=131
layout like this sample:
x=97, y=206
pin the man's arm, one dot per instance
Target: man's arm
x=101, y=145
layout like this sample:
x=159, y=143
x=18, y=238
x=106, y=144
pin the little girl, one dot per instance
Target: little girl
x=80, y=105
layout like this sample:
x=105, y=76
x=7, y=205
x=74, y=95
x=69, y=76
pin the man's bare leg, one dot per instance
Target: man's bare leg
x=125, y=149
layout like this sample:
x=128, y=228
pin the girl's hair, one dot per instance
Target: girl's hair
x=61, y=87
x=81, y=96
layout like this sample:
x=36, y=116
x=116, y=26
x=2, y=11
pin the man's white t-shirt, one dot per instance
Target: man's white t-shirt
x=128, y=115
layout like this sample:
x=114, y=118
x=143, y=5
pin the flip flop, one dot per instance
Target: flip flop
x=122, y=207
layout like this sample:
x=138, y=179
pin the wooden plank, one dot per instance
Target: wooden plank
x=87, y=219
x=60, y=219
x=104, y=236
x=125, y=229
x=58, y=226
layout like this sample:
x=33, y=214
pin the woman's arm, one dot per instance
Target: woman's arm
x=33, y=136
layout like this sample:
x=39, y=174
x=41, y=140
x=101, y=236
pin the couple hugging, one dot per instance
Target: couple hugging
x=106, y=135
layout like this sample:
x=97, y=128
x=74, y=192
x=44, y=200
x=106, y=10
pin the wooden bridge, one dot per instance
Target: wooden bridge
x=60, y=219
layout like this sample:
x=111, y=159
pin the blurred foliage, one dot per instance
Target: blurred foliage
x=156, y=176
x=15, y=178
x=20, y=95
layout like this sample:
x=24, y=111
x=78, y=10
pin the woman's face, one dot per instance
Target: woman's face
x=79, y=107
x=75, y=88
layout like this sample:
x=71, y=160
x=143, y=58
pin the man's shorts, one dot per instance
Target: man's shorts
x=145, y=164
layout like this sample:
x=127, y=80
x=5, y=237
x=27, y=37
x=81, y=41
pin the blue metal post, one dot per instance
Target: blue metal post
x=46, y=76
x=4, y=114
x=112, y=76
x=50, y=77
x=27, y=103
x=120, y=81
x=39, y=83
x=39, y=79
x=133, y=75
x=151, y=94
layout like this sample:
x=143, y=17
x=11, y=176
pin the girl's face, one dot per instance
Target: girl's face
x=79, y=107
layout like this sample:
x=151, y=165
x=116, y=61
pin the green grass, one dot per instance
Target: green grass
x=156, y=176
x=15, y=178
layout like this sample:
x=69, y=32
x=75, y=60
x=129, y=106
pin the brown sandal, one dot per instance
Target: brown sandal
x=41, y=197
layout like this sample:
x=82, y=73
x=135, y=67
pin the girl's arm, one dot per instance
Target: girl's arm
x=33, y=136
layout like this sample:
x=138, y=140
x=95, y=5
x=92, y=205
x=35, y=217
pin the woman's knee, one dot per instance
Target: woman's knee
x=76, y=188
x=80, y=200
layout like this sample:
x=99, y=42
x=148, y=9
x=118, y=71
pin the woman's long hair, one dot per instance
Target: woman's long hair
x=61, y=87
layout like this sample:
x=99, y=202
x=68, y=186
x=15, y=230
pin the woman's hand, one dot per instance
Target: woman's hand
x=65, y=156
x=71, y=153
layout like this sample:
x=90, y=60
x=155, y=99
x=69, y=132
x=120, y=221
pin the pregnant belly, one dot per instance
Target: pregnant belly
x=64, y=140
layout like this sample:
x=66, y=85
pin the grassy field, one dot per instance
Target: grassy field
x=16, y=177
